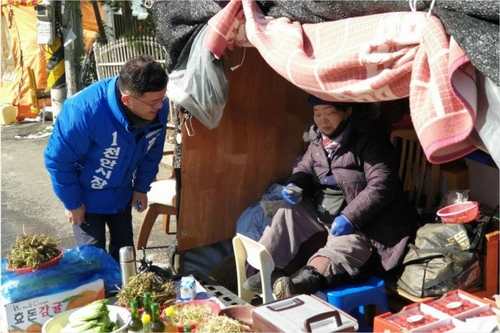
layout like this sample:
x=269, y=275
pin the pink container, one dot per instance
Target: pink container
x=463, y=212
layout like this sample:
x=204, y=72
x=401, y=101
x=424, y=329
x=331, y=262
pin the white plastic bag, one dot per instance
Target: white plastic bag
x=199, y=84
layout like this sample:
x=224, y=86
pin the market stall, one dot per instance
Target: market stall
x=259, y=125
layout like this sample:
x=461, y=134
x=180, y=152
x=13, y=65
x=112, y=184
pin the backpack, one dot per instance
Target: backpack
x=444, y=257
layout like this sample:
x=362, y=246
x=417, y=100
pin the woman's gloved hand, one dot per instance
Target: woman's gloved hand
x=292, y=193
x=329, y=180
x=341, y=226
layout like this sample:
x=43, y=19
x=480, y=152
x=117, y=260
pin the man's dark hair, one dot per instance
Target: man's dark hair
x=142, y=74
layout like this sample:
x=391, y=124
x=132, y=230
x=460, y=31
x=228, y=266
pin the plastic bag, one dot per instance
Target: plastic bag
x=440, y=260
x=199, y=84
x=78, y=265
x=257, y=216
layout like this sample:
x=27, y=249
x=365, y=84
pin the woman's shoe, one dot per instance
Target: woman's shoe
x=254, y=282
x=307, y=281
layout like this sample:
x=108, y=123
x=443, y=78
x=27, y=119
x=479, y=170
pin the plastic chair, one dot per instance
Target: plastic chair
x=413, y=167
x=248, y=250
x=353, y=299
x=162, y=200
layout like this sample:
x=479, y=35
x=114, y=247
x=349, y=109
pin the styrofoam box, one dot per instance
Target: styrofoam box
x=456, y=296
x=29, y=315
x=483, y=319
x=399, y=322
x=461, y=322
x=450, y=324
x=478, y=312
x=385, y=322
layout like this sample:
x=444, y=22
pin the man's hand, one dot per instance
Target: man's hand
x=139, y=201
x=76, y=216
x=292, y=193
x=341, y=226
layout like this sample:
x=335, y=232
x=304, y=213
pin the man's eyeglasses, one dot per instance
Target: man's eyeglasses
x=151, y=105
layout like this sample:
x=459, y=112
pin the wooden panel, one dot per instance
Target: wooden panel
x=226, y=169
x=490, y=269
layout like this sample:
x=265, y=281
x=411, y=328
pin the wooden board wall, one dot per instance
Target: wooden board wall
x=226, y=169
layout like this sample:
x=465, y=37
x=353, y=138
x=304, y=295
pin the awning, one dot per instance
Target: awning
x=21, y=2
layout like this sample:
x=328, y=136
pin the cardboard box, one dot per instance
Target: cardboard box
x=483, y=179
x=29, y=315
x=434, y=318
x=453, y=176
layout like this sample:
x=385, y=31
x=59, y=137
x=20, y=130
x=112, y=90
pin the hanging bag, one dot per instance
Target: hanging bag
x=199, y=83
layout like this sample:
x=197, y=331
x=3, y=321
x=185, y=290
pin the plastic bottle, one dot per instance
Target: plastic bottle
x=170, y=327
x=157, y=324
x=187, y=328
x=146, y=322
x=147, y=303
x=135, y=323
x=146, y=314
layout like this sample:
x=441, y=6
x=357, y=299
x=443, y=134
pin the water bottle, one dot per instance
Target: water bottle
x=127, y=263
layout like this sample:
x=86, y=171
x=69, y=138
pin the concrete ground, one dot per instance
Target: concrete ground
x=28, y=204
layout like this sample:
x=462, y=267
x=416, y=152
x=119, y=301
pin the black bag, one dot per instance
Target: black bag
x=441, y=260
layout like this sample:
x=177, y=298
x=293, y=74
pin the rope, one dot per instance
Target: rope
x=413, y=6
x=242, y=60
x=429, y=13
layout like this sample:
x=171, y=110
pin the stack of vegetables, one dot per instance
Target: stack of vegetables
x=93, y=317
x=161, y=292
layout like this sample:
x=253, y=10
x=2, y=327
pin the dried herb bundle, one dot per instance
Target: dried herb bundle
x=161, y=292
x=31, y=251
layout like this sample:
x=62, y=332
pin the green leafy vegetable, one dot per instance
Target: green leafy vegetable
x=91, y=318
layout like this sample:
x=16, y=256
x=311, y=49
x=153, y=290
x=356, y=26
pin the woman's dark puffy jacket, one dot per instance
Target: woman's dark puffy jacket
x=365, y=167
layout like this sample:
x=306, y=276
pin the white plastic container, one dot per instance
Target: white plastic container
x=302, y=313
x=116, y=313
x=8, y=114
x=187, y=288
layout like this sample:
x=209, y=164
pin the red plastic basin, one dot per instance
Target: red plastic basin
x=462, y=212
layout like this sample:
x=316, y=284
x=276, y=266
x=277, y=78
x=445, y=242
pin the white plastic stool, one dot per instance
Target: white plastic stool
x=248, y=250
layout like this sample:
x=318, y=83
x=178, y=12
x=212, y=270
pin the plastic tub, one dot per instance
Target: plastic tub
x=47, y=264
x=117, y=314
x=462, y=212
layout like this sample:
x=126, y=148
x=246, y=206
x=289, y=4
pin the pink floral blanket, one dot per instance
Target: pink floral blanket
x=367, y=59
